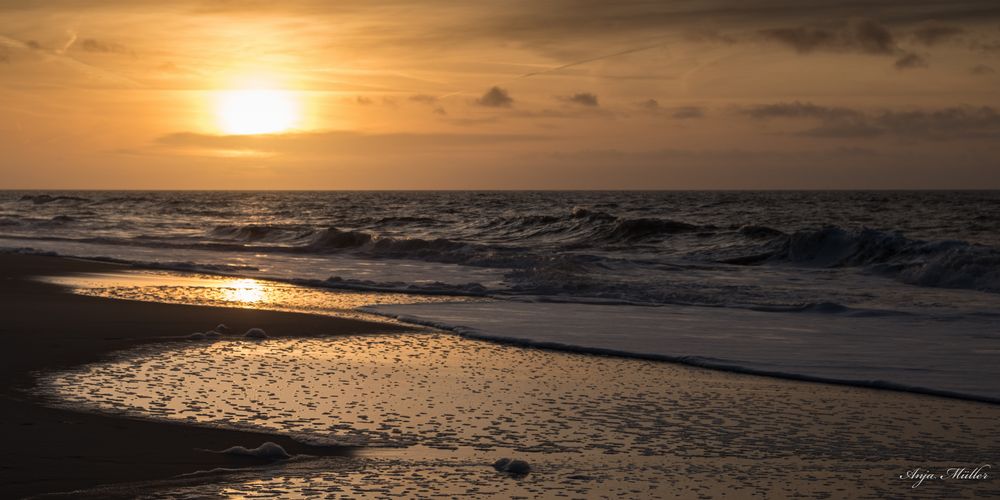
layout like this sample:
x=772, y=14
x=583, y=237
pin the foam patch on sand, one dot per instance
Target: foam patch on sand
x=267, y=450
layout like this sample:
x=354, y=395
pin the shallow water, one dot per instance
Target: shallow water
x=918, y=269
x=947, y=352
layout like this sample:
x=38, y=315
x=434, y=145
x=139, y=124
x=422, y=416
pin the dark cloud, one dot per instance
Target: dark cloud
x=799, y=110
x=583, y=99
x=33, y=45
x=865, y=36
x=496, y=97
x=933, y=33
x=910, y=61
x=4, y=55
x=981, y=70
x=679, y=113
x=542, y=24
x=845, y=129
x=874, y=38
x=803, y=40
x=835, y=122
x=364, y=101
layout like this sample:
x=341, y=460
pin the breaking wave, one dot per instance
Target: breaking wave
x=947, y=263
x=643, y=248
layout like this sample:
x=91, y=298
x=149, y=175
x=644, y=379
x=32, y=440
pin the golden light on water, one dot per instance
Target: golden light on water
x=247, y=291
x=256, y=111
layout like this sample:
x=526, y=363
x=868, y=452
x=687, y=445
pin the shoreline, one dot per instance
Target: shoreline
x=689, y=361
x=373, y=314
x=50, y=450
x=53, y=450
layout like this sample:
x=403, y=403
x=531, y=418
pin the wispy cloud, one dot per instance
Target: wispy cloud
x=335, y=142
x=963, y=122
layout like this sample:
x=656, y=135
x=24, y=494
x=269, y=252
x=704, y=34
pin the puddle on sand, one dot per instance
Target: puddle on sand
x=590, y=426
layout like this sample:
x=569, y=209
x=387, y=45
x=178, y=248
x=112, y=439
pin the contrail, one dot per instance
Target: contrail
x=57, y=55
x=72, y=40
x=585, y=61
x=570, y=65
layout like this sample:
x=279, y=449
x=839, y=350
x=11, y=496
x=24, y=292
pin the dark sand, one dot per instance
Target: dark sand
x=46, y=450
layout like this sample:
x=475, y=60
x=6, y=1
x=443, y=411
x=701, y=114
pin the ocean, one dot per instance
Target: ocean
x=889, y=289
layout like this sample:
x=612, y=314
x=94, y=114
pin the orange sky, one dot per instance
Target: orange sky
x=511, y=94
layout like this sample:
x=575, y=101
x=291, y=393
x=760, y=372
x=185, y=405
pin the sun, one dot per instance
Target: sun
x=267, y=111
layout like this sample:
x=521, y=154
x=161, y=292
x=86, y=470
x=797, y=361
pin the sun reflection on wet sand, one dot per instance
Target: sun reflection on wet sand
x=244, y=290
x=208, y=290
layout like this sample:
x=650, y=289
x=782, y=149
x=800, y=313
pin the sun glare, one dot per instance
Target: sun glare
x=242, y=112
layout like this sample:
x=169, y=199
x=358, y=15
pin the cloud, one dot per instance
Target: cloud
x=169, y=67
x=723, y=156
x=96, y=46
x=424, y=98
x=678, y=113
x=948, y=123
x=933, y=33
x=803, y=40
x=874, y=38
x=363, y=100
x=906, y=167
x=543, y=24
x=798, y=109
x=910, y=61
x=335, y=143
x=961, y=122
x=583, y=99
x=433, y=101
x=982, y=70
x=496, y=97
x=688, y=112
x=865, y=36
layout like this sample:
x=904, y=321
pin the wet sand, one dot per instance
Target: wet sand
x=43, y=328
x=591, y=426
x=432, y=411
